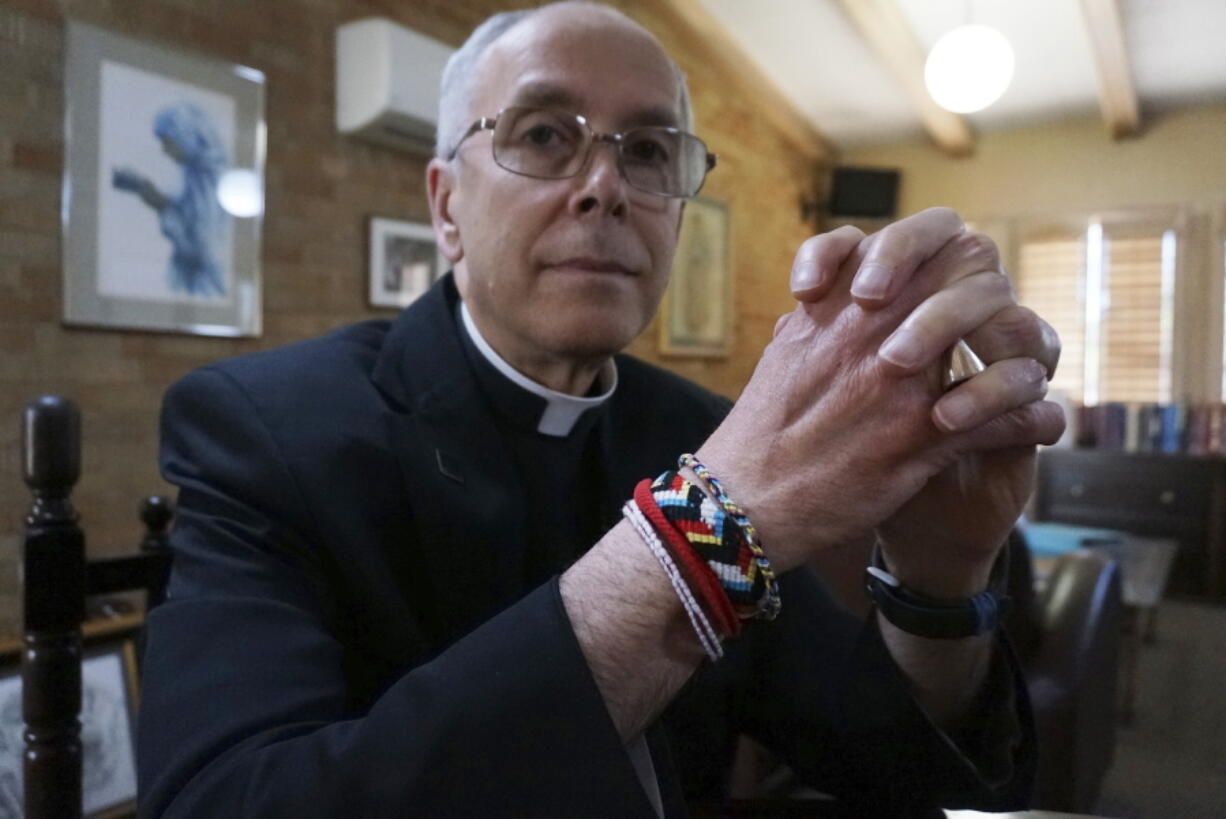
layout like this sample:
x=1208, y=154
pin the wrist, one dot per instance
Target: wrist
x=926, y=615
x=752, y=491
x=944, y=577
x=600, y=604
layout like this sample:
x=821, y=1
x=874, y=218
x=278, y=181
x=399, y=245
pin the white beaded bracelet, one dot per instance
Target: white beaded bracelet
x=698, y=619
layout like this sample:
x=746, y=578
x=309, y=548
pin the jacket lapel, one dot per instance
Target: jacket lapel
x=637, y=441
x=466, y=501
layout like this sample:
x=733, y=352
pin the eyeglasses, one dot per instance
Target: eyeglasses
x=545, y=144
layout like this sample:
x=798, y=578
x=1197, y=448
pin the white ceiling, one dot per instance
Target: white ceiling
x=811, y=50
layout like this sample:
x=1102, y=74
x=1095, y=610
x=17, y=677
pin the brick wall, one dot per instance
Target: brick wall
x=320, y=188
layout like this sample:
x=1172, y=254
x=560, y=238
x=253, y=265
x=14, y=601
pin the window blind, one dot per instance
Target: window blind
x=1050, y=280
x=1132, y=337
x=1117, y=340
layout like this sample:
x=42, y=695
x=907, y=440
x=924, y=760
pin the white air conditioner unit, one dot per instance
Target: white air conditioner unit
x=387, y=84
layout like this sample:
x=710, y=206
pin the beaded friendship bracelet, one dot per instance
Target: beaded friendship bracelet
x=705, y=529
x=709, y=551
x=767, y=606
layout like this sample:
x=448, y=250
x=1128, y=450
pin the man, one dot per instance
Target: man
x=386, y=599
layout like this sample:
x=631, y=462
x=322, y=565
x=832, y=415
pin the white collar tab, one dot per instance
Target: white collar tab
x=562, y=411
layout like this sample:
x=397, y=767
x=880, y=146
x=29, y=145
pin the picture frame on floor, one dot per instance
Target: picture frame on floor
x=109, y=698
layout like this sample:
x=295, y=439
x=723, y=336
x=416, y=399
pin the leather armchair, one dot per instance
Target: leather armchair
x=1068, y=638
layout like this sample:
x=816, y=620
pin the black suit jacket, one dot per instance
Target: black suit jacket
x=346, y=633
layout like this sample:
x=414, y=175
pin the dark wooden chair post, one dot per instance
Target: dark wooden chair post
x=53, y=571
x=156, y=512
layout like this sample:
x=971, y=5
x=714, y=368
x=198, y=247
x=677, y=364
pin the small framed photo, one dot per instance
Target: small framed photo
x=404, y=261
x=695, y=317
x=108, y=711
x=163, y=187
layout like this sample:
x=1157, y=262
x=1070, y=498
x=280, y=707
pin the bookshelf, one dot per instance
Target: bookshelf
x=1174, y=495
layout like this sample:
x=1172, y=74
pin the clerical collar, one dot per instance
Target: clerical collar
x=560, y=412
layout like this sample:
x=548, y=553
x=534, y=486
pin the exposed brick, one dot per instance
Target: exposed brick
x=321, y=188
x=25, y=245
x=40, y=274
x=48, y=157
x=28, y=306
x=36, y=42
x=25, y=217
x=38, y=123
x=46, y=9
x=16, y=339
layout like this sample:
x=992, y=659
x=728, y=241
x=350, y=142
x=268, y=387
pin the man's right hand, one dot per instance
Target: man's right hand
x=829, y=439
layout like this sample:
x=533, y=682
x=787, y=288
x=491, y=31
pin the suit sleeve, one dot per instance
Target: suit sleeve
x=819, y=688
x=887, y=754
x=246, y=708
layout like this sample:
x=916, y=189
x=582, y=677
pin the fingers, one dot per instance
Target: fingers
x=818, y=261
x=1017, y=332
x=1003, y=386
x=1039, y=422
x=943, y=318
x=897, y=251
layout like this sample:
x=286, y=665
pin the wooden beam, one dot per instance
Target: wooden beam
x=882, y=24
x=744, y=72
x=1117, y=96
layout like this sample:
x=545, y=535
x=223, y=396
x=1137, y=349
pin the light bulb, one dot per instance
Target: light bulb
x=969, y=68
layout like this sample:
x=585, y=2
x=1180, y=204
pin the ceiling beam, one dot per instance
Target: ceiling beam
x=882, y=24
x=748, y=77
x=1117, y=96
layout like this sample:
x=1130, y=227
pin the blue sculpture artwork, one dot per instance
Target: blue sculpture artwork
x=193, y=220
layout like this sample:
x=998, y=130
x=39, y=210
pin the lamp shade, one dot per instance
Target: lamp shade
x=969, y=68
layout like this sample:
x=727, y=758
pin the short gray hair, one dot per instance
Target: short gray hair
x=456, y=90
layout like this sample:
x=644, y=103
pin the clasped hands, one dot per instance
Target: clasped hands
x=845, y=428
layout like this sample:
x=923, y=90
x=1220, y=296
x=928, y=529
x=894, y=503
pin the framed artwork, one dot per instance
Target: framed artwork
x=404, y=261
x=696, y=313
x=108, y=712
x=163, y=188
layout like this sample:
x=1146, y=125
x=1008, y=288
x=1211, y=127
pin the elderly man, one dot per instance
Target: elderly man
x=403, y=583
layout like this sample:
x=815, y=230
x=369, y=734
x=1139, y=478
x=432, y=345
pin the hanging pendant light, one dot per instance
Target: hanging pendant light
x=969, y=68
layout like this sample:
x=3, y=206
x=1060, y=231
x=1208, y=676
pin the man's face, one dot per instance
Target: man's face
x=564, y=268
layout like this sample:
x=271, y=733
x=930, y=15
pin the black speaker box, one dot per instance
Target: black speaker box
x=864, y=192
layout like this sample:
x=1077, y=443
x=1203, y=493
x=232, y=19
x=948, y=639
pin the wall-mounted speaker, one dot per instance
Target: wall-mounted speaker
x=868, y=193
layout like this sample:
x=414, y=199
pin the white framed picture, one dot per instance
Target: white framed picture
x=163, y=187
x=404, y=261
x=108, y=737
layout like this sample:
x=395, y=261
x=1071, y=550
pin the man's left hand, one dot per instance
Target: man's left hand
x=942, y=542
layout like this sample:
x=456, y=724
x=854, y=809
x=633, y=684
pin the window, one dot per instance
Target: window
x=1108, y=288
x=1136, y=334
x=1218, y=263
x=1050, y=280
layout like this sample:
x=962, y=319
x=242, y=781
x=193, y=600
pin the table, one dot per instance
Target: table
x=1025, y=814
x=825, y=809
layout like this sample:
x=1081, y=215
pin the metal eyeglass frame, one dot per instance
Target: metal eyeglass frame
x=614, y=139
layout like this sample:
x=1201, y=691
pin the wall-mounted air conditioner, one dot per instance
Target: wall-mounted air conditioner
x=387, y=79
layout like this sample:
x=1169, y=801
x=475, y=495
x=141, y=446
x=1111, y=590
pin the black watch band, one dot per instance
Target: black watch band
x=940, y=619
